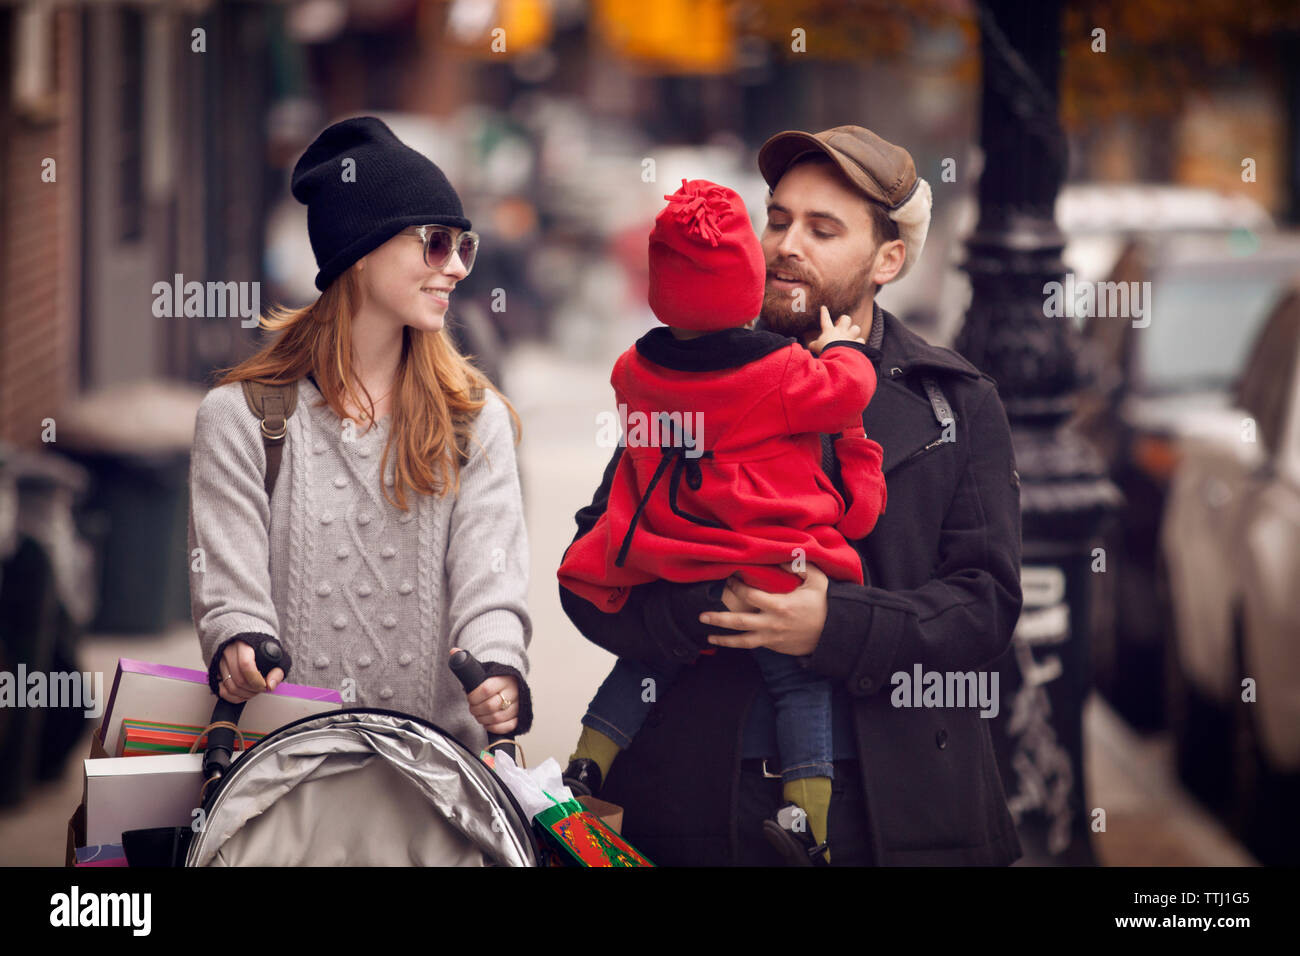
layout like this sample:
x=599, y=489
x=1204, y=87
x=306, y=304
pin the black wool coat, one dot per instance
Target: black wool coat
x=943, y=566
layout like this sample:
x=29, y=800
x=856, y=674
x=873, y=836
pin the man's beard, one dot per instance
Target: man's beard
x=840, y=298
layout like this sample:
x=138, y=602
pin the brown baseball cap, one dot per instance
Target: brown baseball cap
x=880, y=169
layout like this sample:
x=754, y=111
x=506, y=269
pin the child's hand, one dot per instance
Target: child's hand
x=842, y=331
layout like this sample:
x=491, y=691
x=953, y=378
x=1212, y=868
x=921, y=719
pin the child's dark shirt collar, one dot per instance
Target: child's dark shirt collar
x=708, y=353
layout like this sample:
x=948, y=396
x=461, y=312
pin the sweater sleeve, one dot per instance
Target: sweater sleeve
x=827, y=393
x=229, y=551
x=487, y=555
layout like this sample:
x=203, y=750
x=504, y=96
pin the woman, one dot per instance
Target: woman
x=368, y=582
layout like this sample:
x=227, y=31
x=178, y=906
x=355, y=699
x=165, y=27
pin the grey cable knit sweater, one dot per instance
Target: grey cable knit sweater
x=354, y=588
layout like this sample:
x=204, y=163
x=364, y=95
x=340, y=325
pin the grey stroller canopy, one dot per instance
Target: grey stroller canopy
x=361, y=787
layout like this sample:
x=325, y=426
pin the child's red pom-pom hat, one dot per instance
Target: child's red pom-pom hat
x=706, y=265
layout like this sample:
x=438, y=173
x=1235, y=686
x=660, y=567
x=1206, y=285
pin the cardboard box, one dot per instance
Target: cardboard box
x=181, y=695
x=610, y=814
x=77, y=822
x=142, y=738
x=132, y=793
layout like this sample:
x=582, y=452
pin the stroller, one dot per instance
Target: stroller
x=355, y=787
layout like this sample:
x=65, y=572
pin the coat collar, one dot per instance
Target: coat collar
x=901, y=348
x=906, y=351
x=901, y=421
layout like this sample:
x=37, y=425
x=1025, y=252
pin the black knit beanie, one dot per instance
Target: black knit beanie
x=352, y=209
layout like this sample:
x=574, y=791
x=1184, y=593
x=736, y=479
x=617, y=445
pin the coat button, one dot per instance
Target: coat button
x=864, y=683
x=941, y=739
x=364, y=660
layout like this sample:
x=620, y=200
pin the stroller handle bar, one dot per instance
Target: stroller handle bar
x=270, y=655
x=221, y=739
x=470, y=673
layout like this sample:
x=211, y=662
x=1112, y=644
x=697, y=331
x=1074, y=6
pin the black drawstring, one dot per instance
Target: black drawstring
x=682, y=464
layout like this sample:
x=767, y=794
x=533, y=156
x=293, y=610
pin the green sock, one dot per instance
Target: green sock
x=593, y=745
x=813, y=796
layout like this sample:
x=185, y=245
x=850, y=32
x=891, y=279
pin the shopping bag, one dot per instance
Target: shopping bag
x=161, y=692
x=573, y=833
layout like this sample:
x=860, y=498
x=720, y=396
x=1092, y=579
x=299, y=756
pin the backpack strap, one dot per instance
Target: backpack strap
x=272, y=405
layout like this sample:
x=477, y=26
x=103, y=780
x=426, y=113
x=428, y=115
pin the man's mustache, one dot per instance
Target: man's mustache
x=789, y=271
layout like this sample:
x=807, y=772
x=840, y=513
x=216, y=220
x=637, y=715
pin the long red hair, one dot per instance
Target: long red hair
x=434, y=404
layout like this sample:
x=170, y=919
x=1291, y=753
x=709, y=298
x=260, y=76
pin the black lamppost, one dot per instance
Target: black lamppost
x=1065, y=496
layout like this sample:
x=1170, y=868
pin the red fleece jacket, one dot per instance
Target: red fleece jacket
x=751, y=494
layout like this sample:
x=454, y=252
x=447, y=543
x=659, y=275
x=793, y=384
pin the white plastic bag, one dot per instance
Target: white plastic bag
x=536, y=789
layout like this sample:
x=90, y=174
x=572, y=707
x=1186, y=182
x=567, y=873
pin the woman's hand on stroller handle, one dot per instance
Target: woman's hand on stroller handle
x=495, y=703
x=240, y=680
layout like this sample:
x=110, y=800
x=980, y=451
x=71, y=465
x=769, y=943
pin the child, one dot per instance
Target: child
x=737, y=414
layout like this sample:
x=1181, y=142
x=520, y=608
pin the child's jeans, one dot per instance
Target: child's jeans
x=802, y=699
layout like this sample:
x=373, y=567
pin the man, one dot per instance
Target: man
x=913, y=785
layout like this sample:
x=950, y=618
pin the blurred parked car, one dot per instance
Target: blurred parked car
x=1100, y=221
x=1230, y=545
x=1156, y=380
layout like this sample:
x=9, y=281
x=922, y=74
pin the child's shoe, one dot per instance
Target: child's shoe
x=796, y=846
x=582, y=776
